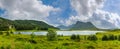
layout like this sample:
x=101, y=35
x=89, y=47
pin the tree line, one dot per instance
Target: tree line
x=52, y=35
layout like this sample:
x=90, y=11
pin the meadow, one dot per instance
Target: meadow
x=107, y=40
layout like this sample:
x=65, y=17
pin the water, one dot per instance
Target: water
x=65, y=33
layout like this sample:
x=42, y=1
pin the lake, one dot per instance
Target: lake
x=65, y=33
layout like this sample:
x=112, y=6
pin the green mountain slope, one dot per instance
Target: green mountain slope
x=24, y=24
x=83, y=26
x=79, y=26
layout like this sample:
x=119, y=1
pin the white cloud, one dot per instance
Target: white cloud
x=91, y=11
x=104, y=19
x=85, y=8
x=26, y=9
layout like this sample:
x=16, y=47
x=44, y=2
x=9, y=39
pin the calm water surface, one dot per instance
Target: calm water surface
x=65, y=33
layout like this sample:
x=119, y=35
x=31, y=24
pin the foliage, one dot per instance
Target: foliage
x=51, y=35
x=32, y=35
x=23, y=25
x=105, y=38
x=92, y=38
x=75, y=37
x=109, y=37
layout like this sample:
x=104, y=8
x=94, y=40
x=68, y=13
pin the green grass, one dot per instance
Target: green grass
x=20, y=41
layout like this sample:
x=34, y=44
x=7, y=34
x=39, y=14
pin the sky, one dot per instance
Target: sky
x=103, y=14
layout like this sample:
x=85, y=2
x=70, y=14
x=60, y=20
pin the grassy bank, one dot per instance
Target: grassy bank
x=20, y=41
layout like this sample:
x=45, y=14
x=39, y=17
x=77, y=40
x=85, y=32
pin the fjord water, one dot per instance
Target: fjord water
x=65, y=33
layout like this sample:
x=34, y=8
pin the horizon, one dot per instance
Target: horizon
x=102, y=13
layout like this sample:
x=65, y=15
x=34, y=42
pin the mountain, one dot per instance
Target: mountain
x=80, y=26
x=4, y=23
x=83, y=26
x=62, y=27
x=24, y=24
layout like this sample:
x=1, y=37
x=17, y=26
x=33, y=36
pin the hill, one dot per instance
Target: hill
x=24, y=24
x=83, y=26
x=79, y=26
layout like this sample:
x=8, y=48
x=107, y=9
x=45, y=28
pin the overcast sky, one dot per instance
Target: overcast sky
x=102, y=13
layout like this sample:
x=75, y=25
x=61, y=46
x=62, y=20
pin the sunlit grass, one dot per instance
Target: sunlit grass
x=20, y=41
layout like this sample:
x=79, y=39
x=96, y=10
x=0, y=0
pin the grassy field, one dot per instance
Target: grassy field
x=20, y=41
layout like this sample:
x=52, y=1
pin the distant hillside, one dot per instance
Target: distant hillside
x=80, y=26
x=83, y=26
x=24, y=24
x=63, y=27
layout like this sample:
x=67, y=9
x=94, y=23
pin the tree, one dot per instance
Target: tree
x=73, y=37
x=105, y=38
x=51, y=35
x=78, y=38
x=111, y=37
x=119, y=37
x=11, y=29
x=92, y=37
x=32, y=35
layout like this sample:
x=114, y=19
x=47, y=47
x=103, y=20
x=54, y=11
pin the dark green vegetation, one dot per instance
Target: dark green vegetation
x=80, y=26
x=23, y=25
x=107, y=40
x=51, y=35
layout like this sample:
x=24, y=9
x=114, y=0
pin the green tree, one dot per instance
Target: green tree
x=32, y=35
x=78, y=38
x=92, y=37
x=51, y=35
x=119, y=37
x=105, y=38
x=111, y=37
x=73, y=37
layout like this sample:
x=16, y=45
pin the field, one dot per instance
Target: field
x=20, y=41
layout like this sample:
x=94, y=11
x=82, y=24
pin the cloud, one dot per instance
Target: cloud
x=104, y=19
x=26, y=9
x=85, y=8
x=91, y=11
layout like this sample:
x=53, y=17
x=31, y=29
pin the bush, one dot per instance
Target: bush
x=92, y=37
x=33, y=41
x=1, y=33
x=111, y=37
x=19, y=33
x=75, y=37
x=32, y=36
x=90, y=47
x=7, y=33
x=105, y=38
x=119, y=37
x=51, y=35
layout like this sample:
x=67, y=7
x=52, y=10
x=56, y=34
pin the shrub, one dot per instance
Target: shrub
x=1, y=33
x=119, y=37
x=105, y=38
x=111, y=37
x=19, y=33
x=90, y=47
x=51, y=35
x=92, y=37
x=32, y=36
x=33, y=41
x=7, y=33
x=77, y=38
x=73, y=37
